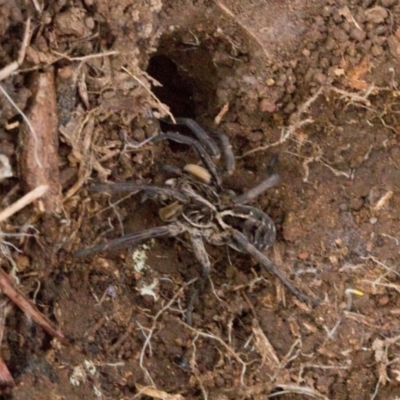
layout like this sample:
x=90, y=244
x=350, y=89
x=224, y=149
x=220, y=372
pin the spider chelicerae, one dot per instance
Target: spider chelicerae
x=195, y=202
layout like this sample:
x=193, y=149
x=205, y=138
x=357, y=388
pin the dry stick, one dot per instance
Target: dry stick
x=26, y=306
x=23, y=202
x=28, y=123
x=12, y=67
x=5, y=376
x=88, y=57
x=162, y=105
x=195, y=370
x=7, y=286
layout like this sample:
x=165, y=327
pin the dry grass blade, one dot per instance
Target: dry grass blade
x=7, y=287
x=307, y=391
x=12, y=67
x=227, y=11
x=295, y=123
x=5, y=376
x=264, y=347
x=157, y=394
x=162, y=106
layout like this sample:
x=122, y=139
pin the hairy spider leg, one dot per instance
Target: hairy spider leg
x=207, y=140
x=251, y=194
x=162, y=191
x=134, y=238
x=229, y=157
x=205, y=157
x=203, y=137
x=201, y=255
x=271, y=267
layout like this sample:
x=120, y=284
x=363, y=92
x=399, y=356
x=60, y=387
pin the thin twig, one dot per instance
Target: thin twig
x=295, y=123
x=26, y=306
x=23, y=202
x=162, y=105
x=88, y=57
x=26, y=119
x=153, y=327
x=12, y=67
x=227, y=11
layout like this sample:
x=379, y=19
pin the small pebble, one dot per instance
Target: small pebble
x=383, y=300
x=270, y=82
x=358, y=34
x=373, y=220
x=376, y=50
x=376, y=14
x=266, y=105
x=303, y=255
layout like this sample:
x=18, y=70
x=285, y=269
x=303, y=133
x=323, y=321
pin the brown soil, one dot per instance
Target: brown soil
x=337, y=210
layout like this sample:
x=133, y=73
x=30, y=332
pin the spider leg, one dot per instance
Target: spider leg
x=251, y=194
x=162, y=191
x=134, y=238
x=208, y=141
x=202, y=257
x=229, y=157
x=204, y=138
x=271, y=267
x=205, y=157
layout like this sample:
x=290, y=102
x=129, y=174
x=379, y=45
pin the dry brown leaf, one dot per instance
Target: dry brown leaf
x=354, y=76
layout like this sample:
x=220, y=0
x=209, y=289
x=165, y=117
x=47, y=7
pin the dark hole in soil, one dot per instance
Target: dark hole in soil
x=189, y=78
x=189, y=81
x=175, y=91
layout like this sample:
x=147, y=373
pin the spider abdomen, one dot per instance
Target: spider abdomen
x=257, y=226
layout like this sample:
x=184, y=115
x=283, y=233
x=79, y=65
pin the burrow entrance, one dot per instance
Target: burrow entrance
x=188, y=76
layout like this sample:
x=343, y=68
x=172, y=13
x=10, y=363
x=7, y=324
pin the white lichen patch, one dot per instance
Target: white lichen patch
x=90, y=367
x=139, y=257
x=78, y=376
x=80, y=372
x=148, y=290
x=97, y=392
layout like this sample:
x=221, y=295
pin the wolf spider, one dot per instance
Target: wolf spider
x=195, y=202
